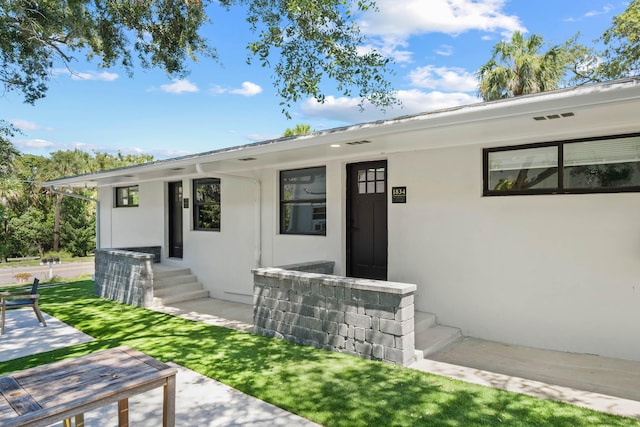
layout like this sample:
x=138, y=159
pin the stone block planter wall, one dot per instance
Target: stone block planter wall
x=366, y=318
x=124, y=276
x=155, y=250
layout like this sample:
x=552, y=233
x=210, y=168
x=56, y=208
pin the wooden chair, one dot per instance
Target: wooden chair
x=23, y=299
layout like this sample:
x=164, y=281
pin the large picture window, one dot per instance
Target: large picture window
x=303, y=201
x=594, y=165
x=206, y=204
x=127, y=196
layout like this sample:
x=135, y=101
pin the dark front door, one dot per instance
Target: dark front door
x=367, y=220
x=175, y=219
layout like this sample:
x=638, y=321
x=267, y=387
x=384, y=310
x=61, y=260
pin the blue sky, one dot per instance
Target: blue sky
x=437, y=46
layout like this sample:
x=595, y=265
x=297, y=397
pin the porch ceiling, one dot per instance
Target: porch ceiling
x=590, y=111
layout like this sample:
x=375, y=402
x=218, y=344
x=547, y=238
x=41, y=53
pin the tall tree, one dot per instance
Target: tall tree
x=8, y=152
x=622, y=55
x=65, y=163
x=305, y=41
x=518, y=68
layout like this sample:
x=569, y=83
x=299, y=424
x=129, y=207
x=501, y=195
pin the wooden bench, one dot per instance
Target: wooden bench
x=67, y=389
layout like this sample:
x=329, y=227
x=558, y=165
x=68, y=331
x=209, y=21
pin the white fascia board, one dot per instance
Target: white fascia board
x=620, y=91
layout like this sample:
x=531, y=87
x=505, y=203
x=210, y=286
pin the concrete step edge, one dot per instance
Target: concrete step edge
x=177, y=289
x=171, y=273
x=180, y=298
x=435, y=339
x=423, y=320
x=174, y=280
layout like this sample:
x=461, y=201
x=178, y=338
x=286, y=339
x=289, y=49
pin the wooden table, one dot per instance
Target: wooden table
x=67, y=389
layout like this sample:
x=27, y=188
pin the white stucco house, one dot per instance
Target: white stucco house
x=518, y=220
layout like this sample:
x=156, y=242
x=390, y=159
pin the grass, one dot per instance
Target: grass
x=329, y=388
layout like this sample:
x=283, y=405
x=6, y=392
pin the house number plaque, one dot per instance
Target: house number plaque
x=399, y=195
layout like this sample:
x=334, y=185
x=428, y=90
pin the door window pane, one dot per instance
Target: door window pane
x=375, y=181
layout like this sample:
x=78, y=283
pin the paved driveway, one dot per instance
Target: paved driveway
x=43, y=272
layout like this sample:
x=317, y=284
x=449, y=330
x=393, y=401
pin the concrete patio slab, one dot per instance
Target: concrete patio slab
x=24, y=335
x=202, y=402
x=233, y=315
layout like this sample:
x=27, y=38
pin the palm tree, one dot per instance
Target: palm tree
x=301, y=129
x=517, y=68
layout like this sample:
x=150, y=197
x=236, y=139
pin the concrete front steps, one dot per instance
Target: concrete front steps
x=431, y=337
x=173, y=285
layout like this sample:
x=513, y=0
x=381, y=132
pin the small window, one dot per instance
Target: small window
x=206, y=204
x=595, y=165
x=127, y=196
x=303, y=201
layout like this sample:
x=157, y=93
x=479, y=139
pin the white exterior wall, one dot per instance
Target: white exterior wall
x=223, y=259
x=280, y=249
x=559, y=272
x=133, y=226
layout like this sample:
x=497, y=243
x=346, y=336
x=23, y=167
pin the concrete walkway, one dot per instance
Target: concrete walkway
x=603, y=384
x=200, y=401
x=600, y=383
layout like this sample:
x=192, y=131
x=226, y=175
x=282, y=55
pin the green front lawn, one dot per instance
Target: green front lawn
x=329, y=388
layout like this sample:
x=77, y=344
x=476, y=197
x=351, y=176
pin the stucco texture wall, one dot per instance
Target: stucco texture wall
x=555, y=271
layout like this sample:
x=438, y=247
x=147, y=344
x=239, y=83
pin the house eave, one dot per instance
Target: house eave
x=598, y=109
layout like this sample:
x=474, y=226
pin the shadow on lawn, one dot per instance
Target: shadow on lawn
x=329, y=388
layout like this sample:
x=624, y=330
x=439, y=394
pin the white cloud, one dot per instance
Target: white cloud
x=413, y=102
x=396, y=21
x=179, y=86
x=88, y=75
x=33, y=144
x=444, y=50
x=443, y=78
x=26, y=125
x=592, y=13
x=247, y=89
x=258, y=137
x=605, y=10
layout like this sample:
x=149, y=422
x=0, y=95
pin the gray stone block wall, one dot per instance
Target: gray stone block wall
x=155, y=250
x=324, y=267
x=124, y=276
x=365, y=318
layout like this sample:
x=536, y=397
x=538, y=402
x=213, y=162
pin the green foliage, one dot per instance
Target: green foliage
x=78, y=227
x=8, y=153
x=622, y=55
x=311, y=40
x=30, y=233
x=24, y=204
x=301, y=129
x=518, y=68
x=36, y=35
x=314, y=39
x=331, y=389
